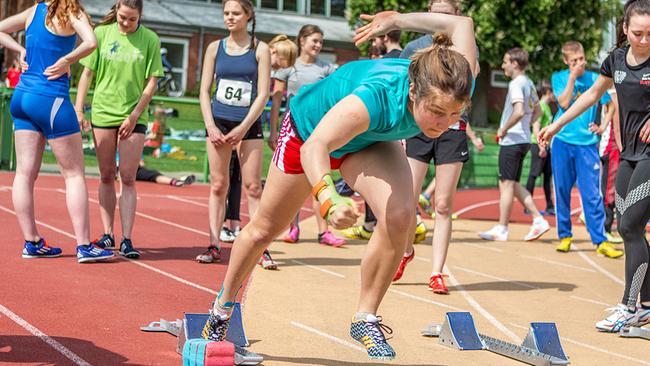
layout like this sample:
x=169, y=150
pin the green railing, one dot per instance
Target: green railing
x=479, y=171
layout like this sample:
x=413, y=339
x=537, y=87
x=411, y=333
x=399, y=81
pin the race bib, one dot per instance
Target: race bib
x=235, y=93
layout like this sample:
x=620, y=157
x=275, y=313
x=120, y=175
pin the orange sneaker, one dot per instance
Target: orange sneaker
x=402, y=265
x=437, y=284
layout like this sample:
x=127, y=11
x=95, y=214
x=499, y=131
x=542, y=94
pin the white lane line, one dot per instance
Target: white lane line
x=599, y=268
x=151, y=268
x=548, y=261
x=591, y=301
x=318, y=268
x=44, y=337
x=479, y=246
x=180, y=199
x=599, y=348
x=425, y=300
x=522, y=284
x=480, y=309
x=328, y=336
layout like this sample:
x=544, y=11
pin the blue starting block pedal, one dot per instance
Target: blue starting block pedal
x=544, y=338
x=542, y=346
x=458, y=331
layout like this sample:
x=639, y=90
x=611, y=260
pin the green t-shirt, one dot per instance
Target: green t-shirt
x=122, y=63
x=544, y=120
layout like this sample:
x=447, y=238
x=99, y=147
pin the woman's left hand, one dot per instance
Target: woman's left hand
x=380, y=24
x=235, y=136
x=126, y=129
x=60, y=68
x=644, y=135
x=478, y=143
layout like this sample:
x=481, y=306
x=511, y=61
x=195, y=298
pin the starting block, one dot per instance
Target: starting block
x=197, y=351
x=541, y=347
x=635, y=332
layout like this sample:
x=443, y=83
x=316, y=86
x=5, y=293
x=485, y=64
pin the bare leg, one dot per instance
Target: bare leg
x=526, y=199
x=163, y=179
x=431, y=188
x=29, y=153
x=130, y=153
x=69, y=154
x=283, y=195
x=106, y=148
x=378, y=173
x=419, y=172
x=219, y=160
x=447, y=176
x=250, y=158
x=506, y=190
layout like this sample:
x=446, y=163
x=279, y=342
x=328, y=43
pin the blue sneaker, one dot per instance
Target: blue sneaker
x=105, y=242
x=370, y=333
x=92, y=253
x=40, y=249
x=127, y=250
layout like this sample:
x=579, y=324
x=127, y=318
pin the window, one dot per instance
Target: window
x=290, y=5
x=337, y=8
x=269, y=4
x=177, y=55
x=317, y=7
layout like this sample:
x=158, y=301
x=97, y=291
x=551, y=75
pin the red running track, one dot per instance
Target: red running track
x=56, y=311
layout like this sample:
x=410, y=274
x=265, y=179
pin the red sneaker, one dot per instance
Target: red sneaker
x=437, y=284
x=402, y=265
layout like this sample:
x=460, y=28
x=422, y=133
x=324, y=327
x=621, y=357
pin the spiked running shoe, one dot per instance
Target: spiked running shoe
x=127, y=250
x=40, y=249
x=425, y=203
x=107, y=241
x=620, y=317
x=565, y=245
x=327, y=238
x=92, y=253
x=293, y=235
x=370, y=333
x=607, y=249
x=402, y=265
x=211, y=255
x=420, y=232
x=357, y=232
x=266, y=261
x=226, y=235
x=215, y=328
x=437, y=284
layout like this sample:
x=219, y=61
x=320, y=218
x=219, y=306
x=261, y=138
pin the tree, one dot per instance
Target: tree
x=538, y=26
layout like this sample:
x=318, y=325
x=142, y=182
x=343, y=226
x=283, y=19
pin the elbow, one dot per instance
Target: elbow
x=92, y=45
x=264, y=95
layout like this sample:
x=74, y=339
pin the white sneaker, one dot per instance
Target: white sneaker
x=497, y=233
x=226, y=235
x=537, y=230
x=619, y=318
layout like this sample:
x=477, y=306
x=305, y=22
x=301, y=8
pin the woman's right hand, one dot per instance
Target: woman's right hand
x=22, y=59
x=84, y=124
x=215, y=136
x=380, y=24
x=273, y=140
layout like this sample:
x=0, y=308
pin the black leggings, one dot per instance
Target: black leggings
x=633, y=210
x=234, y=191
x=540, y=166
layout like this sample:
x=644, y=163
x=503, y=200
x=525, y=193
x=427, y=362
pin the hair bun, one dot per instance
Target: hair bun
x=442, y=40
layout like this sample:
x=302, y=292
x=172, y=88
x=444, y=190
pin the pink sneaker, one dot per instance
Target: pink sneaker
x=293, y=235
x=327, y=238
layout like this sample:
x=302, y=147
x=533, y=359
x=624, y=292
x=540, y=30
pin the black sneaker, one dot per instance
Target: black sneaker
x=127, y=250
x=215, y=328
x=107, y=241
x=189, y=179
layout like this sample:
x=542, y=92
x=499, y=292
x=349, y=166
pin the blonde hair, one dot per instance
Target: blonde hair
x=62, y=10
x=572, y=47
x=285, y=48
x=440, y=70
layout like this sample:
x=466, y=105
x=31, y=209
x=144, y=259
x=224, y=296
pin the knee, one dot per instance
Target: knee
x=629, y=229
x=218, y=187
x=127, y=180
x=107, y=176
x=257, y=236
x=399, y=219
x=443, y=207
x=253, y=189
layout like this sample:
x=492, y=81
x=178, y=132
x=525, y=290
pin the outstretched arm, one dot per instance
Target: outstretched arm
x=459, y=28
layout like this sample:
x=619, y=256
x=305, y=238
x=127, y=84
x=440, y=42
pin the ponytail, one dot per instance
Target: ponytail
x=439, y=69
x=111, y=17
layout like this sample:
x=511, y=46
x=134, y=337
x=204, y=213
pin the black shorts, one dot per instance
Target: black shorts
x=147, y=175
x=450, y=147
x=511, y=161
x=139, y=128
x=225, y=126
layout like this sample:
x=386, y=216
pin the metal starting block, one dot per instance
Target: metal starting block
x=635, y=332
x=197, y=351
x=541, y=347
